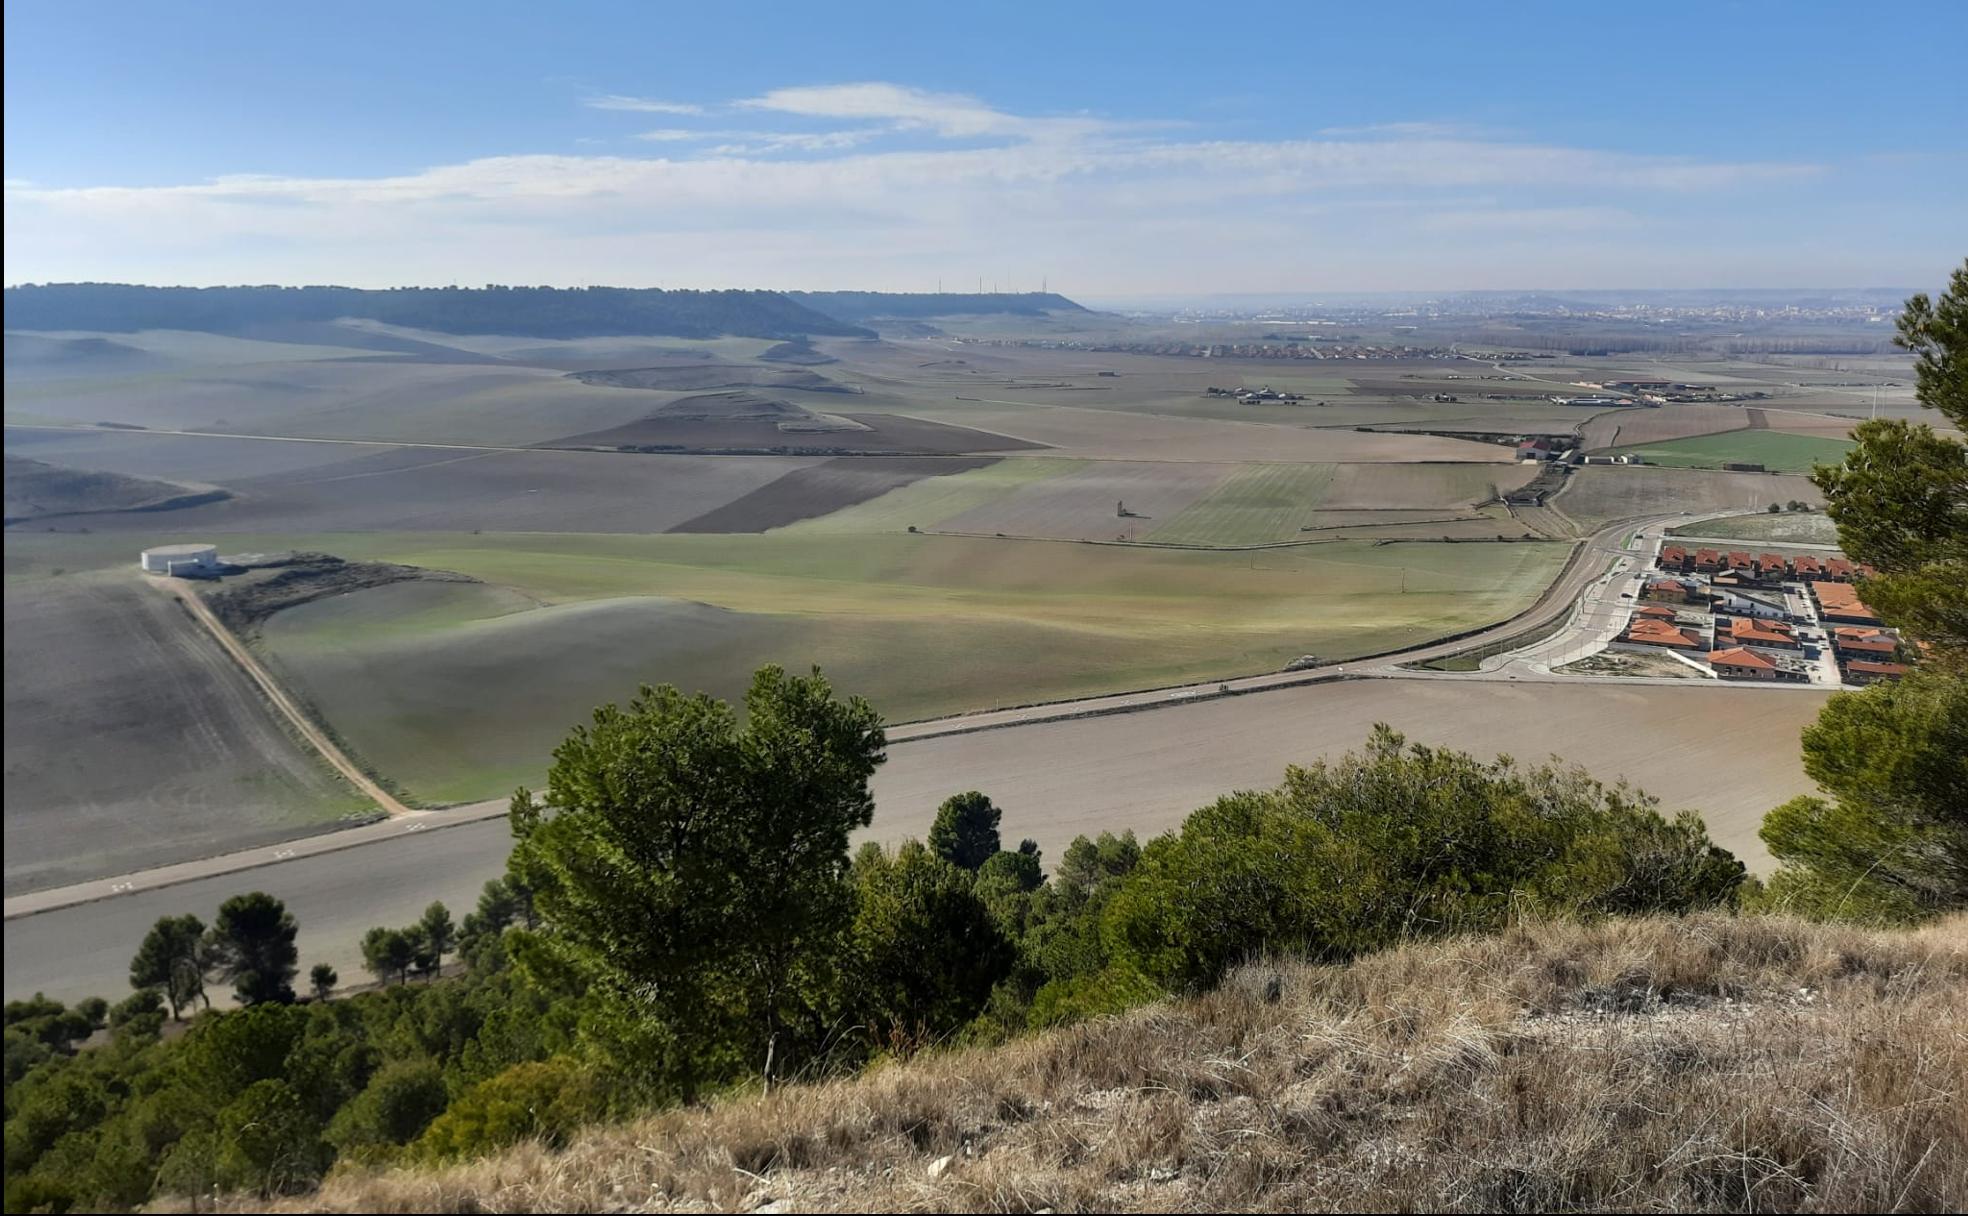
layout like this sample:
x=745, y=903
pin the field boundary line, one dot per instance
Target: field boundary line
x=311, y=733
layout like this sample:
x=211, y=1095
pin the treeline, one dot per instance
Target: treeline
x=858, y=307
x=532, y=312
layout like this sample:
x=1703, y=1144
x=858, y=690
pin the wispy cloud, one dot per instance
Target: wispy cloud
x=642, y=105
x=951, y=115
x=731, y=143
x=859, y=201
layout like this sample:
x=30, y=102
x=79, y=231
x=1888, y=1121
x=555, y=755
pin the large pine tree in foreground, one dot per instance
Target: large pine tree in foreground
x=1890, y=839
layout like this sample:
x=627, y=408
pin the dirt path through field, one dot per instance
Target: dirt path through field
x=314, y=735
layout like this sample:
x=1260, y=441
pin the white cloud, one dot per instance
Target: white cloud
x=1114, y=208
x=951, y=115
x=764, y=142
x=642, y=105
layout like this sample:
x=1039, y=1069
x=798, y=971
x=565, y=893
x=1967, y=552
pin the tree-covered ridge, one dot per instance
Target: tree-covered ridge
x=860, y=306
x=529, y=312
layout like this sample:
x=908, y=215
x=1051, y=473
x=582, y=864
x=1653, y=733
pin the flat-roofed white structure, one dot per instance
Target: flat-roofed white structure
x=184, y=561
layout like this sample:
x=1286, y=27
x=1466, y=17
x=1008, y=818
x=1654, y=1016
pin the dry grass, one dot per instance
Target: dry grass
x=1710, y=1063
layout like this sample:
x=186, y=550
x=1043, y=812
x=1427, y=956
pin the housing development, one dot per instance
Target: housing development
x=1739, y=614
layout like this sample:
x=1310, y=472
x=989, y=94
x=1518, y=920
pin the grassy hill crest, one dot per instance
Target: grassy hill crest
x=1712, y=1062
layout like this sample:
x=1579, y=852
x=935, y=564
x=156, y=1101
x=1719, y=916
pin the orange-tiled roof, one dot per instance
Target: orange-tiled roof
x=1736, y=656
x=1838, y=565
x=1674, y=553
x=1654, y=610
x=1842, y=599
x=1867, y=645
x=1867, y=667
x=1803, y=562
x=1708, y=556
x=1860, y=631
x=1739, y=557
x=1745, y=630
x=1660, y=633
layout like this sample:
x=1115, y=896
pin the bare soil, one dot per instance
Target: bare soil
x=1624, y=428
x=820, y=489
x=1598, y=494
x=37, y=491
x=133, y=740
x=451, y=490
x=1631, y=663
x=880, y=434
x=688, y=377
x=795, y=352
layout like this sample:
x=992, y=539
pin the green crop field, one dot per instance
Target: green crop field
x=458, y=692
x=927, y=503
x=1776, y=451
x=1256, y=504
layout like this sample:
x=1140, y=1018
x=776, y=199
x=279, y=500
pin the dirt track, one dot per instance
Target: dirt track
x=302, y=724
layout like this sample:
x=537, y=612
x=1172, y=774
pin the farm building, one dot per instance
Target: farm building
x=182, y=561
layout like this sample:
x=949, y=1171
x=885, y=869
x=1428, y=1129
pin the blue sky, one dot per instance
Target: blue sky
x=1113, y=149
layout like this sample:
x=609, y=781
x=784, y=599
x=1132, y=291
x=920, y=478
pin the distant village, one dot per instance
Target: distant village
x=1227, y=350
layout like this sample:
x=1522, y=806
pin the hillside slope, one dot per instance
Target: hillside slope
x=859, y=307
x=36, y=490
x=1713, y=1063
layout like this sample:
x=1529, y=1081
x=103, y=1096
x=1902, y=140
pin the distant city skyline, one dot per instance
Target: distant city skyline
x=1114, y=154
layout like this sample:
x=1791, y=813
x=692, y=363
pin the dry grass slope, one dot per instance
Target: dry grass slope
x=1713, y=1064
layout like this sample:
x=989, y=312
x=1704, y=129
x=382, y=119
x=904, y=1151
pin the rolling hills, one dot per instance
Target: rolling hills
x=540, y=312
